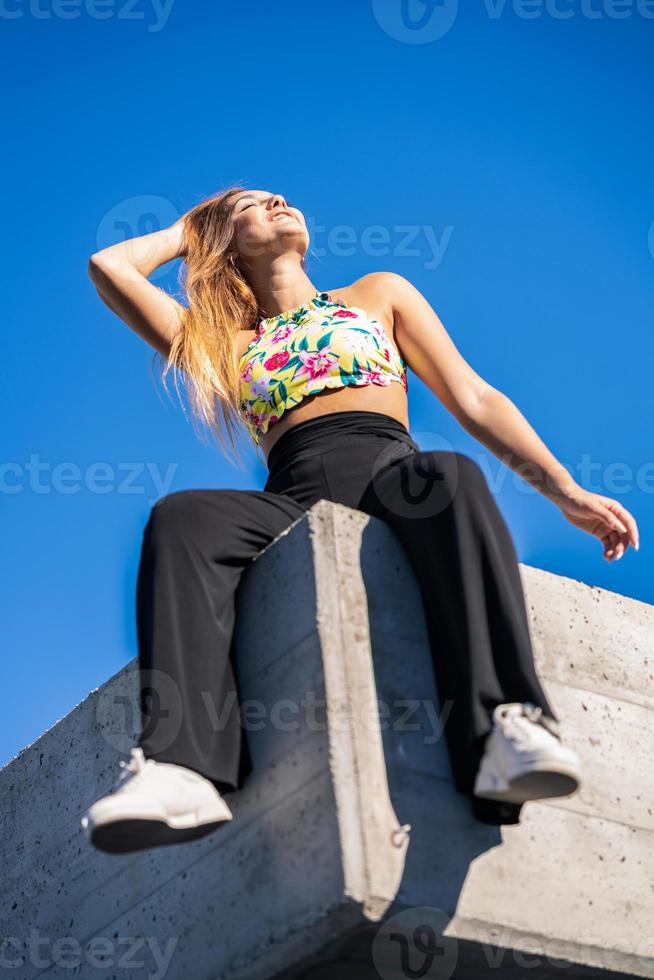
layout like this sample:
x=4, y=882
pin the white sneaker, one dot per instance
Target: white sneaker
x=154, y=803
x=523, y=760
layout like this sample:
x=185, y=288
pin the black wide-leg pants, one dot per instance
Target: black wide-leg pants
x=197, y=543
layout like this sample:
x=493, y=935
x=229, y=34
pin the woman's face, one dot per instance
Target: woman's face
x=265, y=222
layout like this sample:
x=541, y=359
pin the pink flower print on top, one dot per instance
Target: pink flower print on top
x=316, y=365
x=375, y=377
x=281, y=333
x=256, y=418
x=347, y=313
x=277, y=361
x=247, y=373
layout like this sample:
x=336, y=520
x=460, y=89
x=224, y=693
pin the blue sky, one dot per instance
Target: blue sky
x=514, y=140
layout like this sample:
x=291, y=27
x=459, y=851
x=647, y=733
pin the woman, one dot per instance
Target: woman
x=318, y=378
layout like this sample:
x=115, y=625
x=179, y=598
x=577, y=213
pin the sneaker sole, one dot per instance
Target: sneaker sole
x=114, y=829
x=543, y=780
x=127, y=835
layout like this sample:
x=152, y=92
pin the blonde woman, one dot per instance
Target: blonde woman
x=318, y=380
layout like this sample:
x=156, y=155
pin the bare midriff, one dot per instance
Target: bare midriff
x=388, y=399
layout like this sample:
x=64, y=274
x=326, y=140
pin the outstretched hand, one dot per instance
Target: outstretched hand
x=604, y=518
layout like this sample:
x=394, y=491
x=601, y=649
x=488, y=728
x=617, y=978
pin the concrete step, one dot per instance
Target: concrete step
x=315, y=876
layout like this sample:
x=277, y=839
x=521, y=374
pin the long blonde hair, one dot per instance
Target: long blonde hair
x=221, y=303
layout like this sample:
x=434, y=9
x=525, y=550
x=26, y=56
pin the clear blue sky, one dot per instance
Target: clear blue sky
x=517, y=148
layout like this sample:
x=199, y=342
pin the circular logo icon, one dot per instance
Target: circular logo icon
x=132, y=219
x=412, y=945
x=416, y=483
x=122, y=711
x=415, y=21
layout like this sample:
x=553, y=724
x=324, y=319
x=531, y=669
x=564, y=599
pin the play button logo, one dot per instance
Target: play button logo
x=415, y=21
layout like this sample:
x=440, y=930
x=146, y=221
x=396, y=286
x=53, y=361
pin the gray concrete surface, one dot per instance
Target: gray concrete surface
x=314, y=877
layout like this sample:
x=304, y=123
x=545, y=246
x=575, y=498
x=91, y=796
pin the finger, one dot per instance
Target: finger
x=622, y=542
x=612, y=521
x=630, y=535
x=617, y=547
x=627, y=519
x=609, y=540
x=634, y=536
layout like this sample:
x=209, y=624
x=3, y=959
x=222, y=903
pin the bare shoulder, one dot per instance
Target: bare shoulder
x=379, y=293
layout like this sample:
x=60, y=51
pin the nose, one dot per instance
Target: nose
x=277, y=201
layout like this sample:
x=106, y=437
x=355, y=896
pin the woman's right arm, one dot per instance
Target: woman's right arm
x=120, y=275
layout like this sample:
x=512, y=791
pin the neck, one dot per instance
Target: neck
x=280, y=284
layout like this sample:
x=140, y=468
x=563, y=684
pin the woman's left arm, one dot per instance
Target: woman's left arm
x=495, y=421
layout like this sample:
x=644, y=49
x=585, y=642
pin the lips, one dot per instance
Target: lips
x=281, y=214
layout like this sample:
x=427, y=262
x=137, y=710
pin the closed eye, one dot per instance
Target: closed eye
x=250, y=203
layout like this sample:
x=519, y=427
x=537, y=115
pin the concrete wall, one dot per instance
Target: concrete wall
x=315, y=878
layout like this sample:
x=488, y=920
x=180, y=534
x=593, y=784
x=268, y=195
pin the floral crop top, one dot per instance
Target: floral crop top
x=317, y=345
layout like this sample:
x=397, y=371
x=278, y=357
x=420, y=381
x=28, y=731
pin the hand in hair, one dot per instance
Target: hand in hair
x=120, y=275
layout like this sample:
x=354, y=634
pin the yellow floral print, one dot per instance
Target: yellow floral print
x=317, y=345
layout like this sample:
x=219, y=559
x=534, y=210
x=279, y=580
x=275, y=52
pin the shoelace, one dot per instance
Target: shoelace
x=512, y=721
x=135, y=765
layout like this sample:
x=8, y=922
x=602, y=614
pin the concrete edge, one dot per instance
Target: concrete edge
x=490, y=935
x=372, y=841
